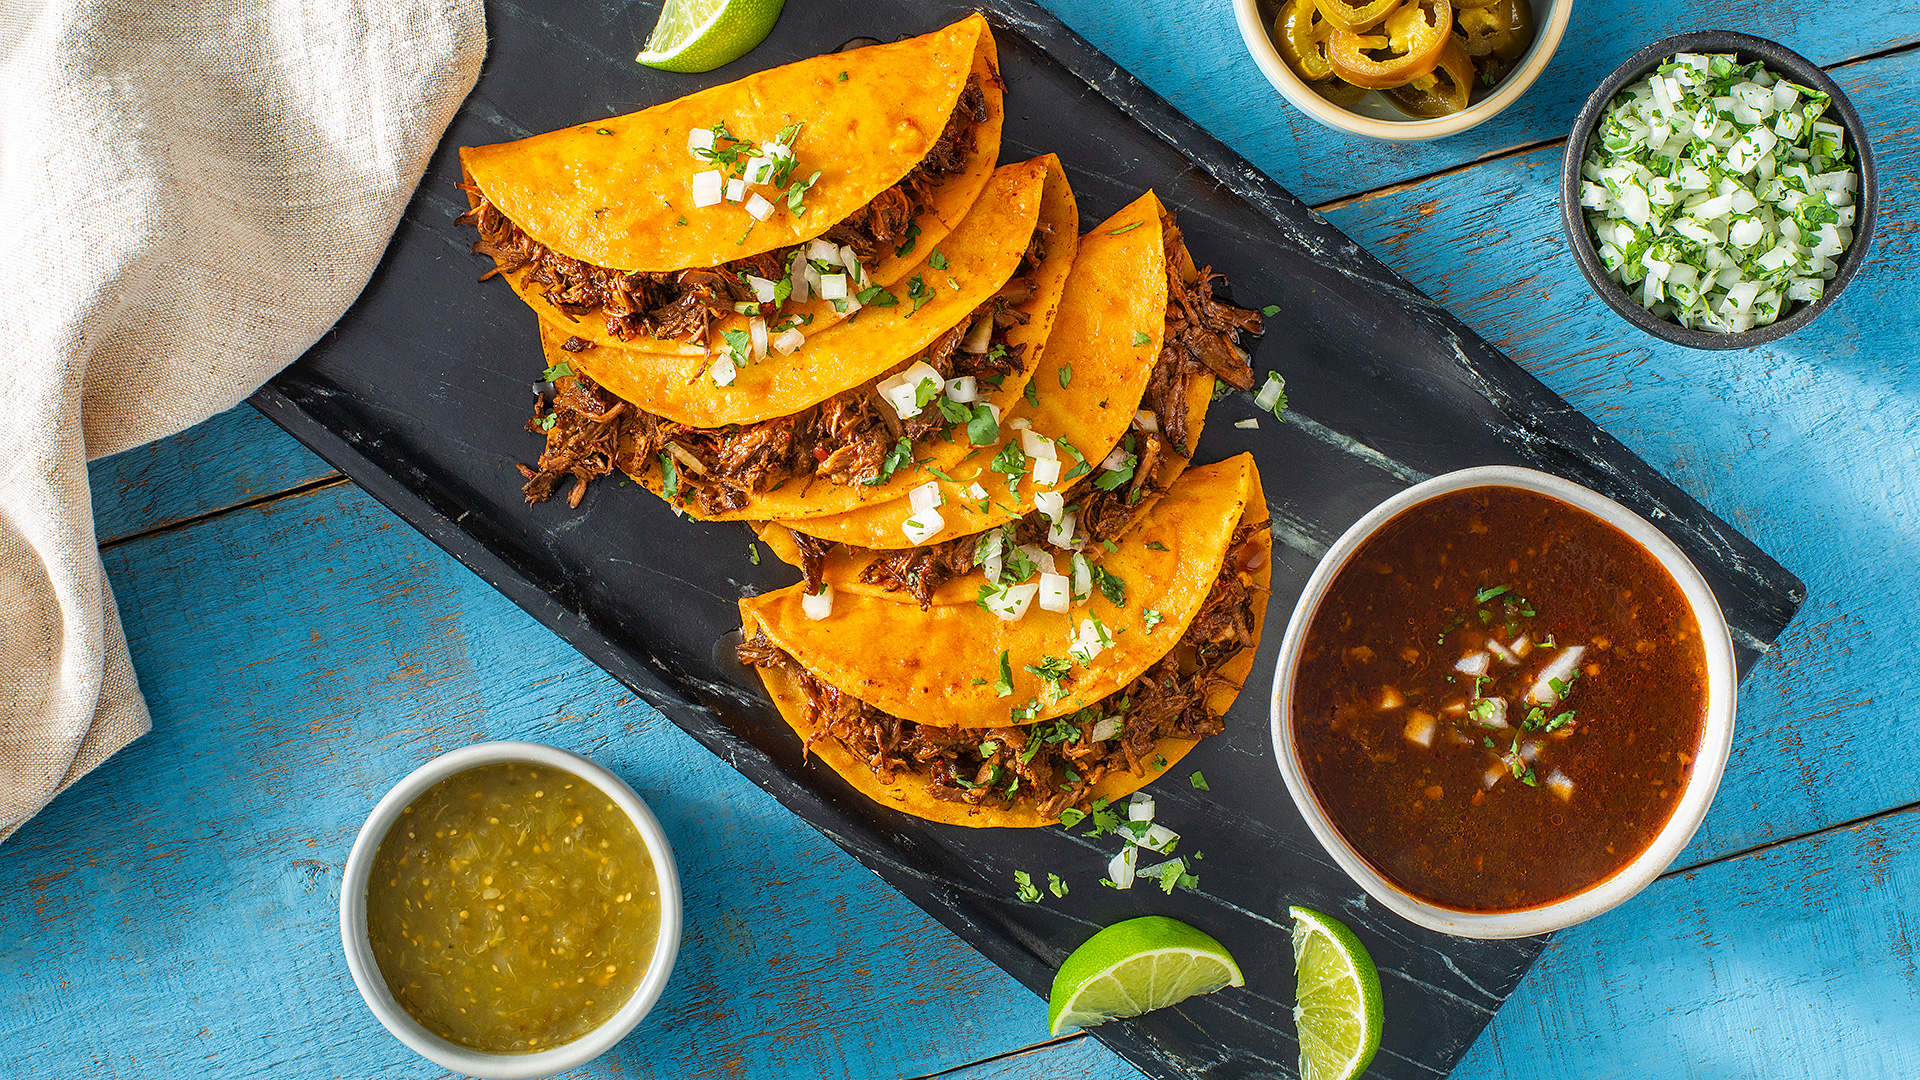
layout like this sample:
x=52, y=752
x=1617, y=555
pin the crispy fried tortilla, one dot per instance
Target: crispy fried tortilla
x=901, y=703
x=903, y=136
x=1090, y=366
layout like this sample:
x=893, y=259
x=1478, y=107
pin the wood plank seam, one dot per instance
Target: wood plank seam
x=1043, y=1044
x=1839, y=826
x=188, y=522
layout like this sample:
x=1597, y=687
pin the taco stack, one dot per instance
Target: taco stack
x=957, y=716
x=812, y=302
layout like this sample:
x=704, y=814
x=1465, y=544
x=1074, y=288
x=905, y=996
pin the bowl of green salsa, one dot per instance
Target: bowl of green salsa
x=510, y=910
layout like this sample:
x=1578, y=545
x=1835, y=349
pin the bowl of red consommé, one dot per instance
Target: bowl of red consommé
x=1504, y=702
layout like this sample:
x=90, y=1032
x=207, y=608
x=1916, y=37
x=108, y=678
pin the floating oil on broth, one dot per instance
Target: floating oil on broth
x=1499, y=700
x=513, y=907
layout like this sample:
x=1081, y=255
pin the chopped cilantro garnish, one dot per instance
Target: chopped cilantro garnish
x=669, y=476
x=1199, y=782
x=936, y=473
x=1066, y=373
x=1012, y=462
x=1003, y=686
x=843, y=77
x=1056, y=886
x=602, y=131
x=797, y=193
x=1110, y=587
x=901, y=453
x=1159, y=761
x=1024, y=881
x=1559, y=721
x=1155, y=545
x=557, y=371
x=989, y=748
x=1080, y=468
x=739, y=345
x=925, y=391
x=912, y=238
x=1270, y=310
x=1070, y=817
x=753, y=554
x=1485, y=595
x=1032, y=394
x=937, y=260
x=1152, y=619
x=1140, y=337
x=875, y=296
x=1113, y=478
x=954, y=412
x=918, y=292
x=1125, y=228
x=546, y=422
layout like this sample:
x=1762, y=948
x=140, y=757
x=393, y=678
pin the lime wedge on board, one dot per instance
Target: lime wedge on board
x=700, y=35
x=1134, y=967
x=1337, y=1009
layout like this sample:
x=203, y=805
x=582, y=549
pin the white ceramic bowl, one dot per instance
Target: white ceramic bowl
x=1375, y=118
x=1716, y=738
x=373, y=986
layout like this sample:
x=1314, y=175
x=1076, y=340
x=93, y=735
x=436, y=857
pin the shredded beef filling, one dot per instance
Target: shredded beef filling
x=1053, y=764
x=685, y=303
x=1202, y=334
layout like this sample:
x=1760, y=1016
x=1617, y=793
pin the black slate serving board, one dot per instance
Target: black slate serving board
x=421, y=391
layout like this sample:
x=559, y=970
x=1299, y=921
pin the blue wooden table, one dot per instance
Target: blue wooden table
x=301, y=648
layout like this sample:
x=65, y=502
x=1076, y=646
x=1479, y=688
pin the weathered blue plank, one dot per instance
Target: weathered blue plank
x=1797, y=960
x=230, y=459
x=1806, y=445
x=299, y=657
x=1191, y=54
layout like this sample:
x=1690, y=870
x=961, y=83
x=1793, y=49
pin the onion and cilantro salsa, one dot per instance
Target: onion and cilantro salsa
x=1499, y=700
x=1717, y=194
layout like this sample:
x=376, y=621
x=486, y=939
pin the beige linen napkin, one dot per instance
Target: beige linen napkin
x=191, y=192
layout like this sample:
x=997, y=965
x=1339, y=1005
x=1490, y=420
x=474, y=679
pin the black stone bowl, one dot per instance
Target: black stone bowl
x=1779, y=60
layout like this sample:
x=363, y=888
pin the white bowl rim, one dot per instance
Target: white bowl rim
x=1716, y=737
x=1260, y=46
x=480, y=1063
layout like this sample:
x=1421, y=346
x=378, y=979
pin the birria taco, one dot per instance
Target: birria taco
x=659, y=230
x=956, y=715
x=1117, y=404
x=916, y=381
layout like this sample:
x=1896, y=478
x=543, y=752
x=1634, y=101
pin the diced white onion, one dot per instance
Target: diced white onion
x=707, y=186
x=1019, y=423
x=1120, y=868
x=1051, y=504
x=1061, y=534
x=788, y=341
x=1494, y=712
x=1558, y=783
x=1506, y=655
x=817, y=606
x=1522, y=645
x=1250, y=423
x=685, y=457
x=1140, y=807
x=1270, y=393
x=1041, y=556
x=1037, y=446
x=1046, y=472
x=1054, y=594
x=758, y=208
x=1082, y=578
x=902, y=390
x=736, y=189
x=989, y=552
x=922, y=526
x=723, y=371
x=699, y=139
x=1107, y=728
x=1115, y=461
x=975, y=491
x=925, y=497
x=1559, y=667
x=1159, y=838
x=823, y=251
x=1473, y=663
x=757, y=337
x=833, y=286
x=1012, y=604
x=964, y=390
x=759, y=171
x=1146, y=421
x=763, y=290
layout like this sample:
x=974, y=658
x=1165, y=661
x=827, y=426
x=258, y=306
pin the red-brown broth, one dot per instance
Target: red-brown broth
x=1435, y=819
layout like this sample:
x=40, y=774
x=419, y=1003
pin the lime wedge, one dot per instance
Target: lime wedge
x=700, y=35
x=1337, y=1008
x=1134, y=967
